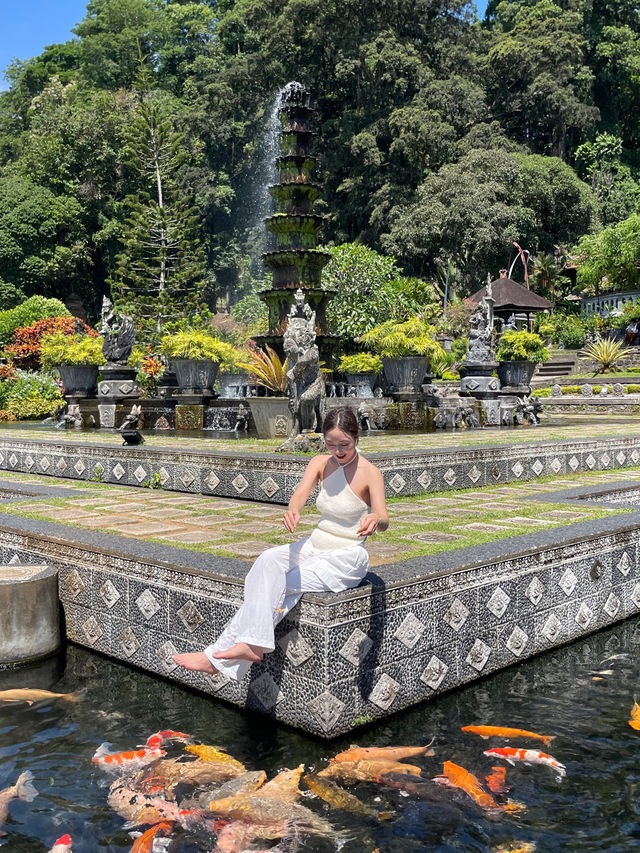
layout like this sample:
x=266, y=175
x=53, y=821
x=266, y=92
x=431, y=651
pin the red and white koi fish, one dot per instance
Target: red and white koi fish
x=159, y=738
x=119, y=762
x=62, y=845
x=22, y=790
x=527, y=756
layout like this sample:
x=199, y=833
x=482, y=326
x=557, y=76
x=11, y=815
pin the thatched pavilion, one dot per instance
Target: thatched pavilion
x=512, y=298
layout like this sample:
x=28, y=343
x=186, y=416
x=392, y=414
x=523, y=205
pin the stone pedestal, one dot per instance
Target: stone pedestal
x=118, y=382
x=30, y=626
x=478, y=380
x=189, y=415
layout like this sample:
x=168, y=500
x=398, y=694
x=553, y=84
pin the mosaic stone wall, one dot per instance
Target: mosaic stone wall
x=342, y=660
x=273, y=478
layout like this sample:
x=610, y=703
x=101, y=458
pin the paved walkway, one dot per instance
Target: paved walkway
x=419, y=526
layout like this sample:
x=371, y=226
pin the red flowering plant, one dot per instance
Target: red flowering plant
x=25, y=348
x=150, y=370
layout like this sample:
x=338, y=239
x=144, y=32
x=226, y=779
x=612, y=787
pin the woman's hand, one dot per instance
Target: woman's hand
x=369, y=524
x=291, y=519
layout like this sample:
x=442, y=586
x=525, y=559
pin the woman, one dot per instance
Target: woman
x=352, y=505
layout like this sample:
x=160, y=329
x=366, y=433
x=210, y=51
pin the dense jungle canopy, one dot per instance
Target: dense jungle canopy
x=441, y=137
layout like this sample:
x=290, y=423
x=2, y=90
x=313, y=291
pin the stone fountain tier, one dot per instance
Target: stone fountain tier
x=296, y=142
x=295, y=169
x=278, y=300
x=295, y=198
x=294, y=268
x=295, y=118
x=295, y=231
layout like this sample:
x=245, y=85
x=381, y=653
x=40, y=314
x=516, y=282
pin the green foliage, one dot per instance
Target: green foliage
x=606, y=353
x=611, y=258
x=521, y=346
x=29, y=395
x=269, y=371
x=35, y=308
x=571, y=334
x=632, y=389
x=196, y=344
x=571, y=390
x=370, y=289
x=60, y=348
x=393, y=340
x=441, y=363
x=459, y=347
x=10, y=295
x=541, y=392
x=361, y=362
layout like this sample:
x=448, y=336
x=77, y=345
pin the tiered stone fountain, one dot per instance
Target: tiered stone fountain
x=296, y=262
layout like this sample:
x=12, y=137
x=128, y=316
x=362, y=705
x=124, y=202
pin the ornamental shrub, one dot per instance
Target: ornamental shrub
x=59, y=349
x=361, y=362
x=26, y=345
x=541, y=392
x=196, y=344
x=35, y=308
x=395, y=340
x=522, y=346
x=632, y=389
x=29, y=395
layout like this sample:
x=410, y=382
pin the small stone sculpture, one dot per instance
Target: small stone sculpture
x=133, y=420
x=556, y=390
x=471, y=419
x=119, y=335
x=305, y=383
x=440, y=421
x=511, y=324
x=480, y=334
x=73, y=416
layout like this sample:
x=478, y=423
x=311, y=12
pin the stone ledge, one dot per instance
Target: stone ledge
x=412, y=631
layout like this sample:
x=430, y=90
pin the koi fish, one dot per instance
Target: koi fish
x=138, y=809
x=528, y=756
x=62, y=845
x=634, y=722
x=144, y=843
x=496, y=780
x=384, y=753
x=172, y=771
x=117, y=762
x=159, y=738
x=515, y=847
x=31, y=695
x=213, y=755
x=247, y=783
x=235, y=836
x=367, y=770
x=454, y=776
x=266, y=811
x=285, y=786
x=498, y=731
x=22, y=790
x=337, y=796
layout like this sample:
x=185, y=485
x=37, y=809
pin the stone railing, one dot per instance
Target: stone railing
x=609, y=303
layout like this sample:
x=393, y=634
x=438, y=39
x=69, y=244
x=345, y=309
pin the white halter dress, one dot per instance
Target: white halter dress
x=332, y=558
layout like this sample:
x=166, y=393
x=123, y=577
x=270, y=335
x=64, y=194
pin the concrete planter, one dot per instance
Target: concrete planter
x=515, y=373
x=406, y=374
x=195, y=376
x=232, y=385
x=272, y=416
x=29, y=628
x=79, y=380
x=362, y=382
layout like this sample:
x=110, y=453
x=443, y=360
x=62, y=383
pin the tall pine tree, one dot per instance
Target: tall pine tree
x=160, y=272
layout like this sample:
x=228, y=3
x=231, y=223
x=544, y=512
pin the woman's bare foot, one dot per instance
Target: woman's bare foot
x=197, y=661
x=240, y=651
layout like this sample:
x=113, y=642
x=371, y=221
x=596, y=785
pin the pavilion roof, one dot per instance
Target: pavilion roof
x=508, y=294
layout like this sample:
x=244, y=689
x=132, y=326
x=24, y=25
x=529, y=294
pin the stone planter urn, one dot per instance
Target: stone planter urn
x=362, y=382
x=515, y=374
x=405, y=375
x=79, y=380
x=232, y=385
x=271, y=416
x=194, y=375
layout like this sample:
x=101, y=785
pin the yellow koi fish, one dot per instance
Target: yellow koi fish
x=213, y=755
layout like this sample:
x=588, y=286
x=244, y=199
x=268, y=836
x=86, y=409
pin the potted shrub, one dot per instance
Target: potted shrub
x=518, y=354
x=361, y=370
x=195, y=357
x=77, y=359
x=406, y=349
x=272, y=415
x=232, y=375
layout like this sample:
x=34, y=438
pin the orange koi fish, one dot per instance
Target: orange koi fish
x=144, y=842
x=159, y=738
x=500, y=731
x=384, y=753
x=125, y=761
x=214, y=755
x=496, y=780
x=634, y=722
x=528, y=756
x=62, y=845
x=455, y=776
x=367, y=770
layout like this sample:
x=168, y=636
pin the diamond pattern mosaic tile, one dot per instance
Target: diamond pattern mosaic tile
x=498, y=602
x=474, y=474
x=295, y=647
x=535, y=590
x=357, y=647
x=140, y=473
x=118, y=471
x=478, y=655
x=92, y=630
x=240, y=484
x=397, y=483
x=164, y=654
x=434, y=673
x=265, y=689
x=384, y=693
x=410, y=631
x=128, y=642
x=109, y=594
x=190, y=616
x=624, y=564
x=567, y=582
x=552, y=627
x=269, y=487
x=584, y=615
x=456, y=615
x=517, y=641
x=327, y=710
x=612, y=605
x=147, y=604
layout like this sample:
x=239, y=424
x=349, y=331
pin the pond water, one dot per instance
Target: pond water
x=581, y=693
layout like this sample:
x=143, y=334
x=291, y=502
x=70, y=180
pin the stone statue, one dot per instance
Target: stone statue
x=511, y=324
x=480, y=334
x=119, y=335
x=304, y=380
